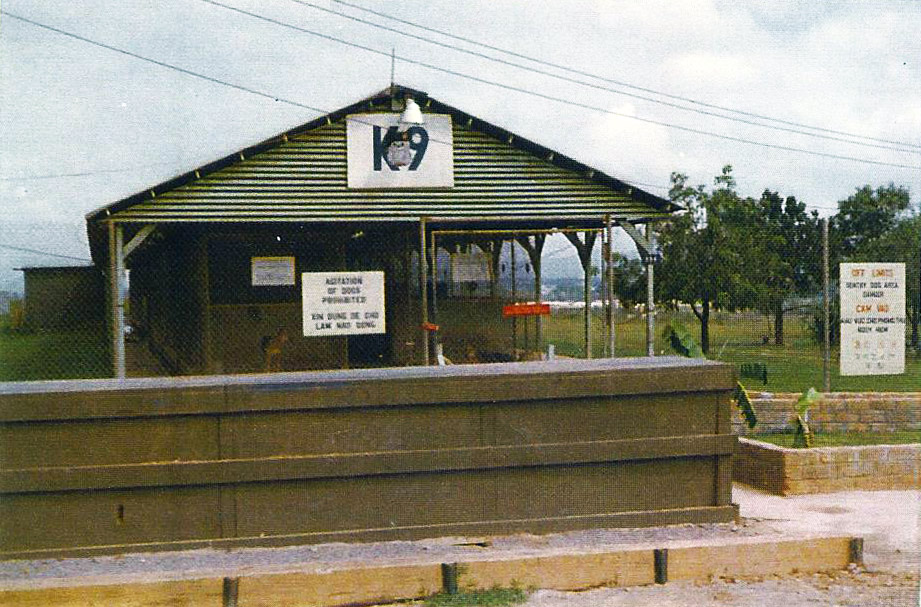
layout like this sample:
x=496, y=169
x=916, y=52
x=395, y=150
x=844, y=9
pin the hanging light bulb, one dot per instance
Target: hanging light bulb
x=399, y=153
x=411, y=115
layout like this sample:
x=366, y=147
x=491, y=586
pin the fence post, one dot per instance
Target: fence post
x=117, y=297
x=609, y=287
x=650, y=294
x=423, y=284
x=826, y=355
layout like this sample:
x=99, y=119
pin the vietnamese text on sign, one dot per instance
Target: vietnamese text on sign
x=342, y=303
x=872, y=318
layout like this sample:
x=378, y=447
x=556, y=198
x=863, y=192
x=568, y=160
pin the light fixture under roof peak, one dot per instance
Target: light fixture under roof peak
x=411, y=115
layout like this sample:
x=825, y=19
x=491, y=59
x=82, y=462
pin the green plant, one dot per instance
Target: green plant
x=684, y=343
x=681, y=340
x=740, y=396
x=802, y=437
x=494, y=597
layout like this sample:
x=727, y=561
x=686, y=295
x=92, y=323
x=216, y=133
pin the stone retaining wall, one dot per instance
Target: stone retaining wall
x=838, y=412
x=825, y=469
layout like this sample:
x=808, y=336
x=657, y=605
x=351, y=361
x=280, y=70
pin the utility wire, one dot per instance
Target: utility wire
x=429, y=66
x=554, y=98
x=47, y=254
x=608, y=89
x=617, y=82
x=83, y=174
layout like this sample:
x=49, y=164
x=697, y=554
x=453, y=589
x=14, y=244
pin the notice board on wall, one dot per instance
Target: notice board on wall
x=872, y=318
x=342, y=303
x=272, y=271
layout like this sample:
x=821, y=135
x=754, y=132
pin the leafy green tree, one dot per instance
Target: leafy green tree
x=866, y=215
x=706, y=262
x=629, y=280
x=787, y=249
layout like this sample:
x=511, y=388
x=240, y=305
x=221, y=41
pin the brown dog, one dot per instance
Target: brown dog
x=272, y=347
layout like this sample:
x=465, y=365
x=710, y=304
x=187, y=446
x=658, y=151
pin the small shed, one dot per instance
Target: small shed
x=63, y=297
x=252, y=253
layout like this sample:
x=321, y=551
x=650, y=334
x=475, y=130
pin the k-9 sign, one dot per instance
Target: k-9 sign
x=381, y=157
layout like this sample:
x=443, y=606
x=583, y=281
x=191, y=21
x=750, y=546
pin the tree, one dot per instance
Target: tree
x=878, y=225
x=629, y=280
x=787, y=249
x=867, y=215
x=705, y=260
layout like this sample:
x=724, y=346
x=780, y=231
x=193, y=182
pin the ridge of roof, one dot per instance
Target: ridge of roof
x=371, y=102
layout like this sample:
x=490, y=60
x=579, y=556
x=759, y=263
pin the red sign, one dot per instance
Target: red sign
x=526, y=309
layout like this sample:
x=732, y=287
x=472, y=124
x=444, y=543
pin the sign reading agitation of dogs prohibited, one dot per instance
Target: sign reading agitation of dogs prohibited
x=872, y=318
x=342, y=303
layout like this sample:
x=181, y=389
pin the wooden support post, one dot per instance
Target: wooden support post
x=117, y=298
x=535, y=250
x=434, y=313
x=585, y=257
x=511, y=244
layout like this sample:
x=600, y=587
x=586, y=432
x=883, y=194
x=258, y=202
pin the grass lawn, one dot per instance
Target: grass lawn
x=735, y=338
x=59, y=355
x=494, y=597
x=845, y=439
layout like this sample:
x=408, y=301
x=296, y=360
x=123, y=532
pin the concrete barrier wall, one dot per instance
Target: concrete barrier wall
x=824, y=469
x=837, y=412
x=149, y=464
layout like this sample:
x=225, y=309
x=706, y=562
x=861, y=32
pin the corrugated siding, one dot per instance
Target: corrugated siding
x=304, y=179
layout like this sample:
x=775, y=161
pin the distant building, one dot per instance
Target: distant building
x=64, y=297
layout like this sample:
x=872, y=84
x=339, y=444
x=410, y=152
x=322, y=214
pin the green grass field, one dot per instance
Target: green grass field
x=735, y=338
x=849, y=439
x=58, y=355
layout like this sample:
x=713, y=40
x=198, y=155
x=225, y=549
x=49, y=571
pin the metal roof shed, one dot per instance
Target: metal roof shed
x=299, y=183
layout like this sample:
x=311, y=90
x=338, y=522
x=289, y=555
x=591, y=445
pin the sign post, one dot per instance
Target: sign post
x=872, y=318
x=342, y=303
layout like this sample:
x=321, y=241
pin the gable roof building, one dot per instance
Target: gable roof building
x=191, y=242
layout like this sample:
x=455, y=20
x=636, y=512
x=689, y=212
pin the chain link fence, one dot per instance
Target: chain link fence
x=490, y=297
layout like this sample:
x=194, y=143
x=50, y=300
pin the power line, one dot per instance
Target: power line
x=429, y=66
x=45, y=253
x=83, y=173
x=558, y=99
x=617, y=82
x=600, y=87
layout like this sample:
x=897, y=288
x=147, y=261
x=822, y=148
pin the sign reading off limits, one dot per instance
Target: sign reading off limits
x=872, y=318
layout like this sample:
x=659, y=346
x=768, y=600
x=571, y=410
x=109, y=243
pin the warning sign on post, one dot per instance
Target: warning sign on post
x=342, y=303
x=872, y=318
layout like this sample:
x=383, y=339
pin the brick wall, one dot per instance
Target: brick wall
x=820, y=470
x=838, y=412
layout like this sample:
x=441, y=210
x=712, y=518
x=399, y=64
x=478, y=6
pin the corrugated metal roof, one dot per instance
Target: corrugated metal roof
x=300, y=176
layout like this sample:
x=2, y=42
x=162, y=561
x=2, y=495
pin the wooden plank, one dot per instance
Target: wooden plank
x=181, y=593
x=176, y=474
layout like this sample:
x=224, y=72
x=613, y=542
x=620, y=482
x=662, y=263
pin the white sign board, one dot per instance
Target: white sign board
x=872, y=318
x=342, y=303
x=380, y=157
x=272, y=271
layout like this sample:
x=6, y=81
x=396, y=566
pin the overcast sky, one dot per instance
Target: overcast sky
x=82, y=126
